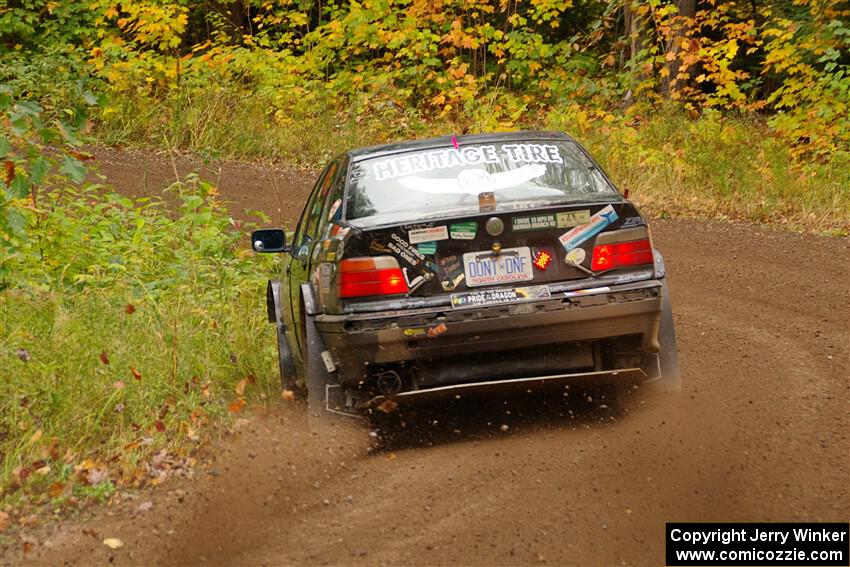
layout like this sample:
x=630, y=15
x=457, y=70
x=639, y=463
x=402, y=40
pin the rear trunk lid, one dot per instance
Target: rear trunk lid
x=526, y=248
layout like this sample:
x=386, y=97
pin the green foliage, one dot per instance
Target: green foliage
x=124, y=331
x=127, y=326
x=27, y=167
x=489, y=63
x=716, y=167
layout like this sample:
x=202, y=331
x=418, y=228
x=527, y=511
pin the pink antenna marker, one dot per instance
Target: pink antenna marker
x=454, y=142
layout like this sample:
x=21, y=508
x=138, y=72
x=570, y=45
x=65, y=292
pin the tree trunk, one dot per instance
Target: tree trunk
x=685, y=19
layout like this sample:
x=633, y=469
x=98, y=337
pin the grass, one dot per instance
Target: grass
x=120, y=355
x=714, y=166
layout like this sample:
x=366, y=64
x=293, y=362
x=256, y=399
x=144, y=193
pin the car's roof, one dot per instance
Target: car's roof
x=446, y=141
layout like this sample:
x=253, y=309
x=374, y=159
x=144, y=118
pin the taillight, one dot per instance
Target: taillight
x=360, y=277
x=542, y=258
x=619, y=254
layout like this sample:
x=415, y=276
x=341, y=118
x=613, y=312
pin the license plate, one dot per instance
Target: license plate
x=487, y=268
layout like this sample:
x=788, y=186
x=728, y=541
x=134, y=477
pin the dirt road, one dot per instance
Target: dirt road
x=759, y=434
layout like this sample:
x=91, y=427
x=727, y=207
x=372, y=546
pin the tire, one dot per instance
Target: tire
x=670, y=376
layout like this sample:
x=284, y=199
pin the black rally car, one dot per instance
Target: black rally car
x=434, y=267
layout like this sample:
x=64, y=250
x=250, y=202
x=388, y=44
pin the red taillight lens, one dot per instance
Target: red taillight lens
x=361, y=277
x=619, y=254
x=542, y=260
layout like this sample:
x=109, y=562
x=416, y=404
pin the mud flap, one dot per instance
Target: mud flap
x=286, y=362
x=669, y=375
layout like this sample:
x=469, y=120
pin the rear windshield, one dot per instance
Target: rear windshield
x=501, y=176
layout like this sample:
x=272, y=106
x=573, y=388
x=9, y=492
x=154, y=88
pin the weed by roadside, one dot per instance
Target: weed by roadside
x=128, y=334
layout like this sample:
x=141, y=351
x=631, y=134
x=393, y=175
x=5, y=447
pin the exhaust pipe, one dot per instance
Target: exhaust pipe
x=389, y=382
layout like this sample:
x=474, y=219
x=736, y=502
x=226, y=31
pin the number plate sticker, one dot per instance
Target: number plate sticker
x=486, y=268
x=485, y=297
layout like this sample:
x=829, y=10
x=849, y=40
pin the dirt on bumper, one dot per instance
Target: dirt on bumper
x=358, y=341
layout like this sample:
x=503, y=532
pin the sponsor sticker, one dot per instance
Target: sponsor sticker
x=437, y=330
x=324, y=278
x=401, y=248
x=629, y=222
x=334, y=209
x=486, y=201
x=450, y=270
x=498, y=296
x=538, y=222
x=576, y=256
x=594, y=226
x=427, y=247
x=463, y=230
x=572, y=218
x=428, y=234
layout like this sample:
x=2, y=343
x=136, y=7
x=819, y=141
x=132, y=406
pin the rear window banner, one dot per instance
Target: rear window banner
x=420, y=162
x=572, y=218
x=433, y=234
x=473, y=181
x=506, y=176
x=463, y=230
x=594, y=226
x=539, y=222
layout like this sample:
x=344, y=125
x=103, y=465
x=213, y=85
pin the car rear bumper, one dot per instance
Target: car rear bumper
x=442, y=339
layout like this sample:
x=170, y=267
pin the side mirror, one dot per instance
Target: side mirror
x=270, y=240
